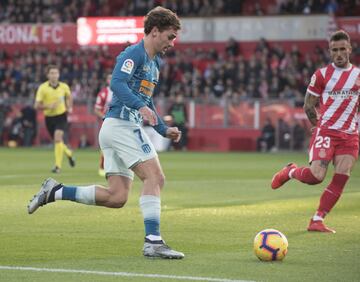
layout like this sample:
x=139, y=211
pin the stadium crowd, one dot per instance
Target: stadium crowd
x=269, y=73
x=49, y=11
x=204, y=75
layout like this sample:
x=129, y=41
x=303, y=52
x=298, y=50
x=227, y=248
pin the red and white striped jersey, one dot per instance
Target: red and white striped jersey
x=103, y=99
x=339, y=91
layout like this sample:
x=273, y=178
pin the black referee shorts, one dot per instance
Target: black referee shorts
x=56, y=122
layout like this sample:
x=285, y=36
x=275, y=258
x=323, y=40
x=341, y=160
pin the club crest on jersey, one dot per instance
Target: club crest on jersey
x=127, y=66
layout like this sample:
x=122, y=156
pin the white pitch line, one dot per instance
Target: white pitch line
x=127, y=274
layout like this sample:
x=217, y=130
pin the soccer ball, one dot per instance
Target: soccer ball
x=270, y=245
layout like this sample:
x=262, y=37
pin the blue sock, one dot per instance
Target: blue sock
x=69, y=193
x=151, y=207
x=80, y=194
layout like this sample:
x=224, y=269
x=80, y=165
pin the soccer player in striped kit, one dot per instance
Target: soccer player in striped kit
x=102, y=103
x=126, y=147
x=335, y=137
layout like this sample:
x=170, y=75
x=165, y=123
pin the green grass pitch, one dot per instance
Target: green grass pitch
x=212, y=207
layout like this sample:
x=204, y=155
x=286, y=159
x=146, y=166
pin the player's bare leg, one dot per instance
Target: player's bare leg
x=113, y=197
x=153, y=178
x=343, y=165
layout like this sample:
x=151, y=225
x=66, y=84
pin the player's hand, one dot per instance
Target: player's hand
x=148, y=115
x=174, y=134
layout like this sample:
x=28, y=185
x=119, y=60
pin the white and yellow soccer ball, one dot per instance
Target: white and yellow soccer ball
x=270, y=245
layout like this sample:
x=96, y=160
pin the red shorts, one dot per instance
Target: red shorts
x=327, y=143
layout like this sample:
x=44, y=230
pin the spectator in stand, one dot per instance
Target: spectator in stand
x=5, y=109
x=284, y=134
x=299, y=99
x=233, y=7
x=262, y=45
x=16, y=130
x=29, y=125
x=258, y=9
x=331, y=7
x=298, y=136
x=267, y=139
x=84, y=142
x=179, y=115
x=356, y=50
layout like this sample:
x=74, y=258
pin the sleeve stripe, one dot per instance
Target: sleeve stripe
x=312, y=92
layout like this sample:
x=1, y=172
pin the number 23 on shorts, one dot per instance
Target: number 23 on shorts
x=322, y=142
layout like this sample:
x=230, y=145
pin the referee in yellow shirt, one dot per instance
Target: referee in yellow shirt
x=54, y=99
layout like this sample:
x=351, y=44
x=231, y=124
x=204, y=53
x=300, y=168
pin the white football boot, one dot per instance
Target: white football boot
x=159, y=249
x=42, y=197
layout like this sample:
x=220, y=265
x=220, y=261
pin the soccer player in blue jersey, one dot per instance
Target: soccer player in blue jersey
x=126, y=147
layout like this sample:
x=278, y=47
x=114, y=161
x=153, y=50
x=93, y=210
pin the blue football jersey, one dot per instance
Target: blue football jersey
x=133, y=82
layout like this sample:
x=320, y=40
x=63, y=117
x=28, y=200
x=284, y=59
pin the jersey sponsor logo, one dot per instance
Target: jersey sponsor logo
x=343, y=94
x=313, y=80
x=127, y=66
x=147, y=87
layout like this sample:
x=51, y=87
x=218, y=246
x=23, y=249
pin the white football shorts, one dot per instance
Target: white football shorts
x=124, y=144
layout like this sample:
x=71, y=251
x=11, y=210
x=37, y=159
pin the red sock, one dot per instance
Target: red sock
x=102, y=161
x=305, y=175
x=332, y=194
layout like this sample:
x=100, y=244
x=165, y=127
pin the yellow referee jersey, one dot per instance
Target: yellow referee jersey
x=49, y=95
